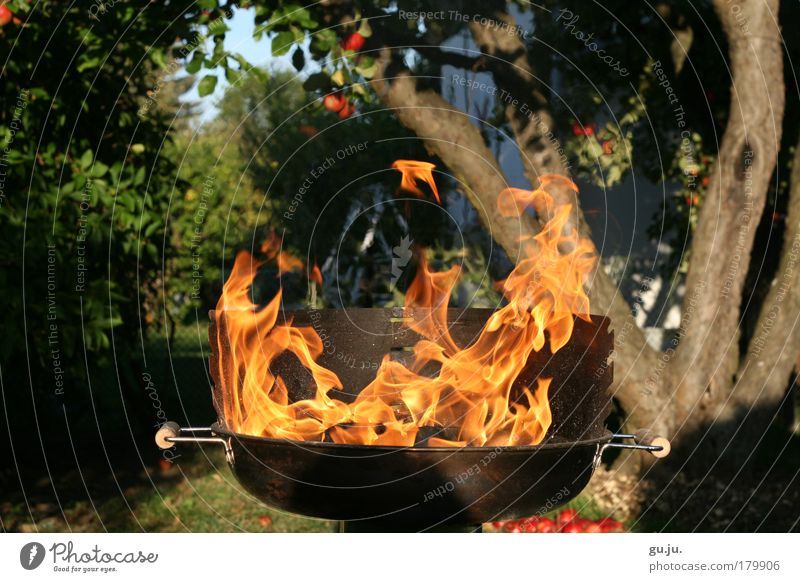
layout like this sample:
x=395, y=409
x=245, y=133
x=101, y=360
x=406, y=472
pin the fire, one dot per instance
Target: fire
x=473, y=399
x=412, y=171
x=315, y=275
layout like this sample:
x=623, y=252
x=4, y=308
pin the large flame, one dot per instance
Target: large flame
x=471, y=401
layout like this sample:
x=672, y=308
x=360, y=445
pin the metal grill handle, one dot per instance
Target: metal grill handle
x=171, y=433
x=643, y=440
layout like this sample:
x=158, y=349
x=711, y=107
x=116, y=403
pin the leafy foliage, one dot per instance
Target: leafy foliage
x=86, y=186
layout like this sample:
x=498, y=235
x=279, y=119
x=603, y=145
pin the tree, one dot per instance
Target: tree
x=85, y=193
x=712, y=383
x=719, y=380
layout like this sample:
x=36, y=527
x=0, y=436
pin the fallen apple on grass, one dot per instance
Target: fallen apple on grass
x=567, y=521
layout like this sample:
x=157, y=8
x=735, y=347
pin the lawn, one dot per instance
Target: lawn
x=197, y=494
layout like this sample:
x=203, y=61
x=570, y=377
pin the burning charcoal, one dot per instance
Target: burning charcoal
x=299, y=381
x=401, y=412
x=427, y=432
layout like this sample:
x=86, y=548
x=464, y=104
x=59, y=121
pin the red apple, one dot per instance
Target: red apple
x=5, y=15
x=567, y=515
x=592, y=527
x=353, y=42
x=610, y=525
x=546, y=525
x=334, y=102
x=578, y=129
x=347, y=110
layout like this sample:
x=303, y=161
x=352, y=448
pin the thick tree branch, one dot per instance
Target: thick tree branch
x=450, y=134
x=707, y=359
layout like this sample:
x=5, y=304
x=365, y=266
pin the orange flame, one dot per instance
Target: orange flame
x=412, y=171
x=286, y=263
x=315, y=275
x=471, y=401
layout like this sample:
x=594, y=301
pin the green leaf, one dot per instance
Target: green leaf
x=219, y=51
x=306, y=21
x=298, y=15
x=323, y=40
x=282, y=42
x=299, y=34
x=243, y=64
x=613, y=175
x=317, y=81
x=218, y=28
x=364, y=29
x=99, y=170
x=232, y=75
x=157, y=56
x=89, y=63
x=194, y=65
x=207, y=85
x=367, y=67
x=39, y=93
x=137, y=148
x=338, y=77
x=86, y=160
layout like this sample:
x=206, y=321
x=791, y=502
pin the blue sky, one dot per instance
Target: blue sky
x=239, y=39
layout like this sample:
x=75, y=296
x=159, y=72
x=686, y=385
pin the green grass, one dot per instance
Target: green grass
x=195, y=495
x=198, y=494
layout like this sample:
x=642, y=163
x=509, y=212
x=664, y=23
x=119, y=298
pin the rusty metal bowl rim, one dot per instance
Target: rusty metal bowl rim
x=171, y=433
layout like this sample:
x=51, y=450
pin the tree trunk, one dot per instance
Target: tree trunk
x=704, y=367
x=765, y=371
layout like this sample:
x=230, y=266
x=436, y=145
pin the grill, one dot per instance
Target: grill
x=422, y=488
